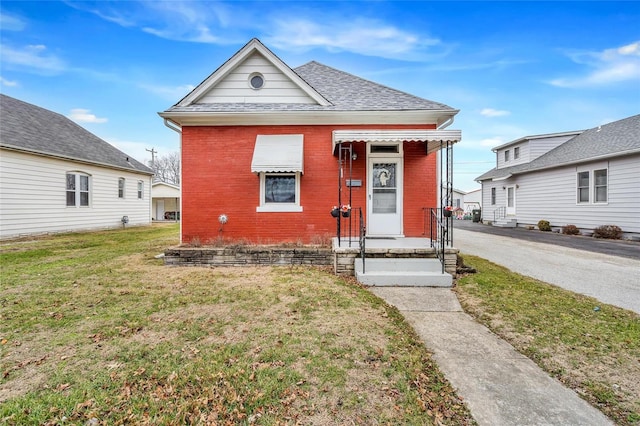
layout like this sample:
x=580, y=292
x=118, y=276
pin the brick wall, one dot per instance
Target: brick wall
x=217, y=179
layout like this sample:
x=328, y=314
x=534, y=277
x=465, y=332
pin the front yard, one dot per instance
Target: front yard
x=95, y=330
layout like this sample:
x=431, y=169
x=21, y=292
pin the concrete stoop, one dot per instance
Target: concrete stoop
x=506, y=222
x=402, y=273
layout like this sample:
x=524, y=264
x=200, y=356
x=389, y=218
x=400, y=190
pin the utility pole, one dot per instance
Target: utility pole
x=153, y=157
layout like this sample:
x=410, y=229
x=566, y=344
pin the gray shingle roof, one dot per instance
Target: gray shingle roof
x=617, y=138
x=27, y=127
x=345, y=92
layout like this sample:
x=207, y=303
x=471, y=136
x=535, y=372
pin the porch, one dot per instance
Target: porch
x=400, y=262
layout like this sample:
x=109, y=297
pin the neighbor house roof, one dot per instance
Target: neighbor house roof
x=30, y=128
x=335, y=91
x=615, y=139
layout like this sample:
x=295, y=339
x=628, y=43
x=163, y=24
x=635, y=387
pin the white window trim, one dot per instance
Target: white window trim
x=279, y=207
x=140, y=190
x=591, y=169
x=124, y=188
x=78, y=191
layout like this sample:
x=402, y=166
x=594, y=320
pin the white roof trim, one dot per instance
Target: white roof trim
x=278, y=153
x=432, y=138
x=253, y=46
x=498, y=179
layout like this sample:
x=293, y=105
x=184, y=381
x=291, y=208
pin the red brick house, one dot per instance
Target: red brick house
x=268, y=150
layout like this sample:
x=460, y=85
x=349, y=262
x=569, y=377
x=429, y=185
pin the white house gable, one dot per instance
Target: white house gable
x=271, y=85
x=254, y=75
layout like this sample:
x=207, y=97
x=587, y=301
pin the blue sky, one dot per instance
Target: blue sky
x=511, y=68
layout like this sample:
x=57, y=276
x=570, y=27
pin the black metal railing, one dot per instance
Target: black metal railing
x=439, y=231
x=362, y=238
x=346, y=230
x=499, y=213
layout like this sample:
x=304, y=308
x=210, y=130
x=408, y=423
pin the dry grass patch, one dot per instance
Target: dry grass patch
x=591, y=347
x=94, y=327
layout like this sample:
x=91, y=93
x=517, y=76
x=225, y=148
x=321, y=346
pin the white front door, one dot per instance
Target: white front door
x=511, y=200
x=160, y=210
x=384, y=204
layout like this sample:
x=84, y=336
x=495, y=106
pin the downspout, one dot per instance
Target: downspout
x=176, y=128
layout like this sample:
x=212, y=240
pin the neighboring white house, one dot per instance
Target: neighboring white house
x=56, y=176
x=586, y=179
x=165, y=201
x=472, y=200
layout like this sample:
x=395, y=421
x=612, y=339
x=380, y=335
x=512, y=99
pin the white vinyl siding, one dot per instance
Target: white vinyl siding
x=551, y=195
x=33, y=196
x=235, y=87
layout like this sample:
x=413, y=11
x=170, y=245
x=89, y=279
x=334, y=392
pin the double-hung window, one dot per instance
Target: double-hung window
x=140, y=189
x=121, y=187
x=600, y=186
x=77, y=189
x=493, y=196
x=506, y=155
x=516, y=152
x=583, y=187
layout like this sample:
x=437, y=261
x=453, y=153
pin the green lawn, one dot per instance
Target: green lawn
x=591, y=347
x=92, y=326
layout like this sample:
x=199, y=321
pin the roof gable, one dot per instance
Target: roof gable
x=615, y=139
x=230, y=83
x=30, y=128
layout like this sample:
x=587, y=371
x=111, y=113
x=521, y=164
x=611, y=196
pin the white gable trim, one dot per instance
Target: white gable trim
x=253, y=46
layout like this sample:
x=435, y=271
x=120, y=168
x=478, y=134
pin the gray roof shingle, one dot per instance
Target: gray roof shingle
x=27, y=127
x=617, y=138
x=345, y=92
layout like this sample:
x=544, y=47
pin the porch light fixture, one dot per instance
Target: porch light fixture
x=354, y=156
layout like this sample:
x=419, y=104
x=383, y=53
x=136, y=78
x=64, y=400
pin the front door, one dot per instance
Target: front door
x=511, y=200
x=384, y=204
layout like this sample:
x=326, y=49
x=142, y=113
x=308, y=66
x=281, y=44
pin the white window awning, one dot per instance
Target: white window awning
x=278, y=154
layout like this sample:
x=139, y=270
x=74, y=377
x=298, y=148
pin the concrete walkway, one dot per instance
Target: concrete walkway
x=610, y=279
x=500, y=386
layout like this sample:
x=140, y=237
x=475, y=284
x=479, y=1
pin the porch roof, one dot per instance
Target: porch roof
x=432, y=138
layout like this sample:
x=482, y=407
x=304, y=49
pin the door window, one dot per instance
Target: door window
x=384, y=188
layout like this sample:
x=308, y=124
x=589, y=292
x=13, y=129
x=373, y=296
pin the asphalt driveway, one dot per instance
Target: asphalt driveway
x=604, y=269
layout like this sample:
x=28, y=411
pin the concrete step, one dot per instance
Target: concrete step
x=506, y=222
x=402, y=273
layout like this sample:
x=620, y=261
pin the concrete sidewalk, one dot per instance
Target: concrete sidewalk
x=500, y=386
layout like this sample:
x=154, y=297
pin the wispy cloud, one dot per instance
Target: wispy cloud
x=490, y=112
x=371, y=37
x=609, y=66
x=8, y=83
x=491, y=142
x=11, y=23
x=167, y=92
x=80, y=115
x=33, y=57
x=219, y=23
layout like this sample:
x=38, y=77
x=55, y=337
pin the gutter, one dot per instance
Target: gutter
x=172, y=125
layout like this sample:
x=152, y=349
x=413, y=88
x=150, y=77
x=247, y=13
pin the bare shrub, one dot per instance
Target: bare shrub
x=612, y=232
x=570, y=230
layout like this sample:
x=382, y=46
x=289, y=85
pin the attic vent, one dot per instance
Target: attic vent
x=256, y=80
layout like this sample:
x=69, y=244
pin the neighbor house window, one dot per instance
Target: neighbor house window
x=493, y=196
x=140, y=189
x=600, y=186
x=279, y=192
x=121, y=187
x=583, y=187
x=506, y=155
x=77, y=190
x=516, y=153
